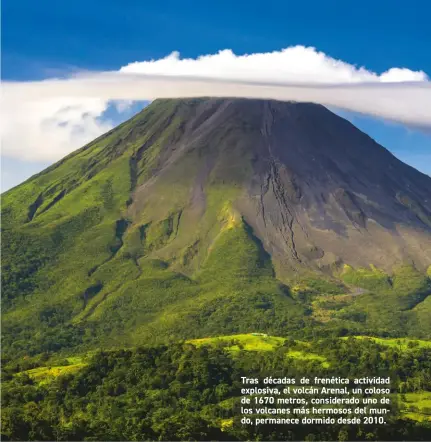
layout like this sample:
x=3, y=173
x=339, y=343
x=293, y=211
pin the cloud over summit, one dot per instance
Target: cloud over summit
x=46, y=120
x=296, y=64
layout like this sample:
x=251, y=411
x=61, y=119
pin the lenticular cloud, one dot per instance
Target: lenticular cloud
x=46, y=120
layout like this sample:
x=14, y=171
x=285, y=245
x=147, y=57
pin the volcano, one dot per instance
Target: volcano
x=203, y=216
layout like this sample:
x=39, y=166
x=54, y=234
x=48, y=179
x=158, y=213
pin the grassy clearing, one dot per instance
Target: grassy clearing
x=226, y=424
x=74, y=360
x=416, y=406
x=307, y=356
x=44, y=375
x=371, y=279
x=261, y=342
x=248, y=342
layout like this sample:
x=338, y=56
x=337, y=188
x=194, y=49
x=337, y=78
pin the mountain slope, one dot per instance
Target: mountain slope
x=209, y=215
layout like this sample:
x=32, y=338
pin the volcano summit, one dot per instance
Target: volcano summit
x=208, y=216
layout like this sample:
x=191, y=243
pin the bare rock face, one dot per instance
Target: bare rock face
x=317, y=191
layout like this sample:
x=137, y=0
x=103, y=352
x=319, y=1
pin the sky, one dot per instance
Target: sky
x=65, y=43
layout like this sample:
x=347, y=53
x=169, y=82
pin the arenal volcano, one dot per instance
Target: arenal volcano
x=210, y=216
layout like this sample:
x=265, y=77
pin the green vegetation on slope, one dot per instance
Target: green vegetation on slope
x=379, y=304
x=263, y=342
x=99, y=252
x=372, y=278
x=191, y=391
x=248, y=342
x=416, y=406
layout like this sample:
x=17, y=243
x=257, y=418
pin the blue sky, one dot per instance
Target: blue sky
x=54, y=38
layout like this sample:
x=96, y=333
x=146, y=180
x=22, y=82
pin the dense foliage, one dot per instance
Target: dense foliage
x=184, y=392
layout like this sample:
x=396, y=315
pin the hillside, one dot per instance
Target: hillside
x=191, y=390
x=217, y=216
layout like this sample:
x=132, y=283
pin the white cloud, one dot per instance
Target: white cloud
x=49, y=129
x=46, y=120
x=297, y=64
x=401, y=74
